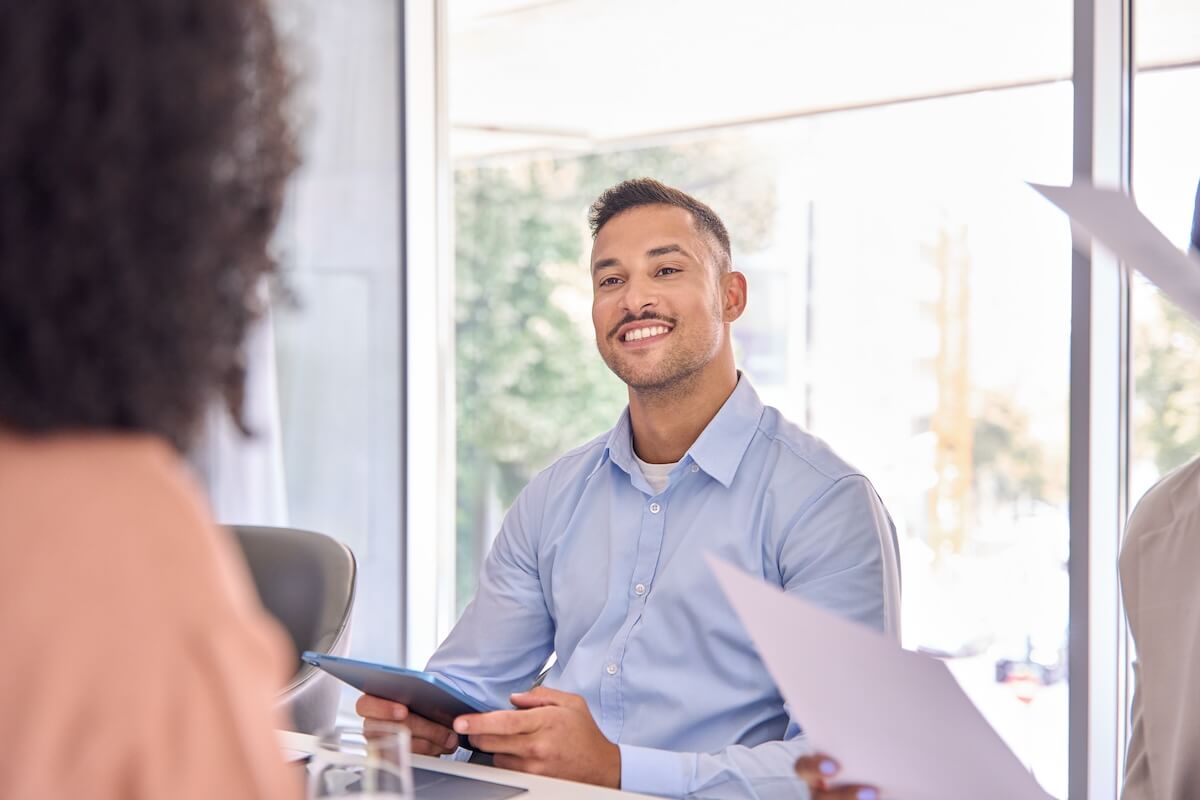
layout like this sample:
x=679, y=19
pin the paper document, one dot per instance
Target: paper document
x=893, y=718
x=1112, y=218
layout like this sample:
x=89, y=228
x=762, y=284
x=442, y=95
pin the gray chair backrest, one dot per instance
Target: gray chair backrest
x=306, y=581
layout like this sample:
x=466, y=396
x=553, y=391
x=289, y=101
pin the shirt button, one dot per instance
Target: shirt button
x=640, y=589
x=611, y=669
x=695, y=467
x=655, y=508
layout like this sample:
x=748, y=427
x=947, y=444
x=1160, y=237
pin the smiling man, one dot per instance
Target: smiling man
x=600, y=561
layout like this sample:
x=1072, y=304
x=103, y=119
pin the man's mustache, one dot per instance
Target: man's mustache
x=649, y=315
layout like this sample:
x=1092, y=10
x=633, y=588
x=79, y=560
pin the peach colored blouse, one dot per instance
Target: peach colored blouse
x=135, y=659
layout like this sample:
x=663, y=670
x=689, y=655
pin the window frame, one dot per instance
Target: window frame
x=1099, y=409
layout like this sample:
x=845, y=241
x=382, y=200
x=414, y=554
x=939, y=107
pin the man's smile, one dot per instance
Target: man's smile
x=643, y=334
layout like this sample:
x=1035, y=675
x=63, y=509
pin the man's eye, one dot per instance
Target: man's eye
x=668, y=270
x=610, y=281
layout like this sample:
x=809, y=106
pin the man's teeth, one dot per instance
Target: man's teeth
x=645, y=333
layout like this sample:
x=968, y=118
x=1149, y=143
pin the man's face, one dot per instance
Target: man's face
x=656, y=298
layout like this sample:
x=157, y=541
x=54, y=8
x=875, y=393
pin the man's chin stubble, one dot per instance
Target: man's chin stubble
x=674, y=384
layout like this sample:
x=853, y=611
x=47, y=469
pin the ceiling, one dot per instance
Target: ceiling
x=576, y=74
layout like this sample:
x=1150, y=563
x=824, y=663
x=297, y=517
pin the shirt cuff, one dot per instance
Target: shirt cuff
x=646, y=770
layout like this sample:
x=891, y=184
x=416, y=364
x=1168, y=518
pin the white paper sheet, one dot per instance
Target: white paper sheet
x=1113, y=219
x=893, y=718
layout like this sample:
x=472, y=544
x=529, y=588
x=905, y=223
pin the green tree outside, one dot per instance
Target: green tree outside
x=1166, y=383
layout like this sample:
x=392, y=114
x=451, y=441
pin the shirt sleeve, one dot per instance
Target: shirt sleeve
x=841, y=554
x=506, y=633
x=763, y=772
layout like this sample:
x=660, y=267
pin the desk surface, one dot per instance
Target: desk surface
x=539, y=788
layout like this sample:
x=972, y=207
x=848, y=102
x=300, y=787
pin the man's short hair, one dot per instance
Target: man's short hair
x=639, y=192
x=144, y=151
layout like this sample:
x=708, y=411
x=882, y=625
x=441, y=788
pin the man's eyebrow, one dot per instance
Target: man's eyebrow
x=665, y=249
x=654, y=252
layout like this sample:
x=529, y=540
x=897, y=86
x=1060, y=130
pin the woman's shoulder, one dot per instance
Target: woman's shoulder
x=116, y=521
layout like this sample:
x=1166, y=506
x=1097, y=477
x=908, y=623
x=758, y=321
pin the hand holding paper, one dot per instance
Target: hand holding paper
x=894, y=719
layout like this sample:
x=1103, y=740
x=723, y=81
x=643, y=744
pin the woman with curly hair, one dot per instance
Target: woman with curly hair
x=144, y=149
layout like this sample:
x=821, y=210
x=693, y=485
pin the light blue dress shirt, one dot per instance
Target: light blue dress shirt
x=592, y=565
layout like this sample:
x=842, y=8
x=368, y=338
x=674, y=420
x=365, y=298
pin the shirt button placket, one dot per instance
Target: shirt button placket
x=648, y=549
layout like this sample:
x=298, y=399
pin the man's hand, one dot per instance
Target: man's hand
x=816, y=770
x=551, y=733
x=428, y=738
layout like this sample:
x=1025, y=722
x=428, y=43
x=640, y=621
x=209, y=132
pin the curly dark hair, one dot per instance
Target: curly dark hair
x=638, y=192
x=144, y=150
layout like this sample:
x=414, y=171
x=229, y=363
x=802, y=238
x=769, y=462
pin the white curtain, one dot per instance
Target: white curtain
x=244, y=476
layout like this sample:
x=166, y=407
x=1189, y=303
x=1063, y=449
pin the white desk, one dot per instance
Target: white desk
x=539, y=788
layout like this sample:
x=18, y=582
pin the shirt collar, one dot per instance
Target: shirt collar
x=719, y=448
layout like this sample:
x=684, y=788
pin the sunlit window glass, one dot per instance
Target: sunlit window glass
x=909, y=297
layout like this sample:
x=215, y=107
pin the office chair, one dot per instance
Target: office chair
x=306, y=581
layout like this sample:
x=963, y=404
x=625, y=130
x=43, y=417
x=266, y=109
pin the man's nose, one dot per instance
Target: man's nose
x=639, y=295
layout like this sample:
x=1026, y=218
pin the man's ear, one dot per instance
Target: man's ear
x=733, y=295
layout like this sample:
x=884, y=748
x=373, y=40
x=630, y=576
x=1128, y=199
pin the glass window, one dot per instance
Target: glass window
x=327, y=366
x=1165, y=430
x=339, y=343
x=909, y=296
x=1164, y=36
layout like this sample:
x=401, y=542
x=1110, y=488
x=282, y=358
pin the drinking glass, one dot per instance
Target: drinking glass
x=363, y=765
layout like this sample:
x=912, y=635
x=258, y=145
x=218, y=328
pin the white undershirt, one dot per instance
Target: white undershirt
x=656, y=474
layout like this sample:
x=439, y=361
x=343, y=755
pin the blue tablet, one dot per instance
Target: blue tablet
x=425, y=694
